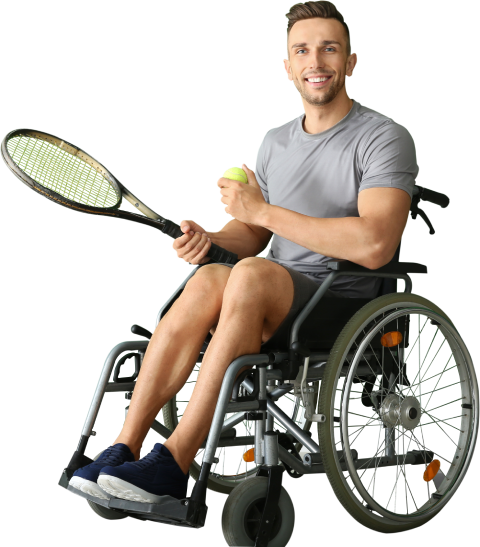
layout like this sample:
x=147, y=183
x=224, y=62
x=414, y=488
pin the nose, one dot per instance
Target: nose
x=317, y=60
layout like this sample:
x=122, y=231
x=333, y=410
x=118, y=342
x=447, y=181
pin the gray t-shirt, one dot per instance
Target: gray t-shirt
x=321, y=176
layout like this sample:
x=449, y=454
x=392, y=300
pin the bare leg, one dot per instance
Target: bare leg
x=173, y=350
x=240, y=334
x=257, y=298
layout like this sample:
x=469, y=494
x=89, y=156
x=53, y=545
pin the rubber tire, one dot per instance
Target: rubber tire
x=328, y=386
x=105, y=512
x=238, y=502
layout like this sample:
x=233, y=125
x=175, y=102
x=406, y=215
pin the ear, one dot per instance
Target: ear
x=351, y=63
x=286, y=67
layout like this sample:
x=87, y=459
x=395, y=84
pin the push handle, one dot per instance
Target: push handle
x=433, y=196
x=424, y=194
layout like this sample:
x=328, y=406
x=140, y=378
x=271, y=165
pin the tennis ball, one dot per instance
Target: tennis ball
x=235, y=173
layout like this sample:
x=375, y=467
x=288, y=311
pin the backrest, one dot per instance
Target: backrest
x=389, y=285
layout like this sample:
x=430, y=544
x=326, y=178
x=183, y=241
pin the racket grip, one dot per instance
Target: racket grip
x=216, y=253
x=221, y=255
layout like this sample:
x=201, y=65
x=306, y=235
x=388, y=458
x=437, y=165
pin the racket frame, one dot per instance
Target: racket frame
x=120, y=190
x=149, y=217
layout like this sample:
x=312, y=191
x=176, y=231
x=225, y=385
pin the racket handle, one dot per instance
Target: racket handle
x=216, y=253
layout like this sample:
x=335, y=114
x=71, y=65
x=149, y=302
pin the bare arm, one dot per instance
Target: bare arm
x=242, y=239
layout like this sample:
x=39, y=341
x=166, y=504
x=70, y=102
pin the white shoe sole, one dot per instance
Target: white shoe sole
x=121, y=489
x=88, y=487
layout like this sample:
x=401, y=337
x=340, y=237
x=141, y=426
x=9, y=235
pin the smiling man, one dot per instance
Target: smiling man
x=335, y=182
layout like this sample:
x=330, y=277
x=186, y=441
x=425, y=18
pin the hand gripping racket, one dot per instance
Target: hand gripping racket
x=70, y=177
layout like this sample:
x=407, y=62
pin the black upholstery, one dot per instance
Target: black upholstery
x=327, y=319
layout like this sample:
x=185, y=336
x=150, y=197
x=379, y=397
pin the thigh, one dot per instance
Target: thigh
x=207, y=287
x=263, y=288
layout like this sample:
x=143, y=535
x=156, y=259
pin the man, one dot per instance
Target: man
x=335, y=182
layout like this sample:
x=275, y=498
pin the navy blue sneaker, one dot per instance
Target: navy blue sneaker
x=148, y=479
x=85, y=478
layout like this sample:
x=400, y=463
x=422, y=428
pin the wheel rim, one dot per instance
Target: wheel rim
x=441, y=355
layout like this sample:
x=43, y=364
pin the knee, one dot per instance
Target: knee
x=249, y=265
x=210, y=275
x=207, y=286
x=251, y=270
x=249, y=262
x=248, y=281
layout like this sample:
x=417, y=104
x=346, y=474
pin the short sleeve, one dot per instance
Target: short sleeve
x=260, y=168
x=389, y=159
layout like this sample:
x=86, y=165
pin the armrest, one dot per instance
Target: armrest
x=395, y=268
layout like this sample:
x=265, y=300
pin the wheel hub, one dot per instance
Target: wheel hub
x=253, y=518
x=397, y=410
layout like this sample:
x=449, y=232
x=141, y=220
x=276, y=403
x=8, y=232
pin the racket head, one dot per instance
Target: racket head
x=67, y=175
x=61, y=172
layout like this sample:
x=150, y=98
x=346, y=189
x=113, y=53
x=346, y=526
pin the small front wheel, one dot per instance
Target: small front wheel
x=243, y=511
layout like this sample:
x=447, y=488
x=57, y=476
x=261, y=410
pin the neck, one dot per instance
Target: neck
x=321, y=118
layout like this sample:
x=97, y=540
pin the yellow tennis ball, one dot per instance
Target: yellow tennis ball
x=235, y=173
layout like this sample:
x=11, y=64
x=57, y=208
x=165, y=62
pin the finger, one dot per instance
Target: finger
x=179, y=242
x=185, y=244
x=185, y=226
x=186, y=249
x=250, y=176
x=196, y=246
x=202, y=257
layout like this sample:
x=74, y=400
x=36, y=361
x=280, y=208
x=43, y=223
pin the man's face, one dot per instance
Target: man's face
x=317, y=48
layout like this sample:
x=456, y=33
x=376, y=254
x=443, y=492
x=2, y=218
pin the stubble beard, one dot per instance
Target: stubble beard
x=323, y=99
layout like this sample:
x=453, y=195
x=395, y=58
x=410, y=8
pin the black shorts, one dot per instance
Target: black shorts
x=304, y=288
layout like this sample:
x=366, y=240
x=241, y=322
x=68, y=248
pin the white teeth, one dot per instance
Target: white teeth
x=317, y=80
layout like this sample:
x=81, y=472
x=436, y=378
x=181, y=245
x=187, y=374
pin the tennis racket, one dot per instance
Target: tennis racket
x=70, y=177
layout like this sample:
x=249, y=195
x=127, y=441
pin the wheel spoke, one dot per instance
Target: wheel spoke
x=440, y=376
x=427, y=450
x=368, y=424
x=427, y=369
x=441, y=389
x=398, y=473
x=418, y=337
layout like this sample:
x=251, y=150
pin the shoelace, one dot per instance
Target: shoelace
x=112, y=456
x=153, y=457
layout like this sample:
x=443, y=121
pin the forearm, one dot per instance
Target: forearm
x=238, y=238
x=350, y=238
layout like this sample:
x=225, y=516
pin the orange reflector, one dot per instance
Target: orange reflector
x=249, y=455
x=391, y=339
x=432, y=469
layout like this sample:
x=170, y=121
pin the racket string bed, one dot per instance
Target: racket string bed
x=67, y=175
x=61, y=172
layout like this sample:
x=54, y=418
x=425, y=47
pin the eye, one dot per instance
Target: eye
x=306, y=50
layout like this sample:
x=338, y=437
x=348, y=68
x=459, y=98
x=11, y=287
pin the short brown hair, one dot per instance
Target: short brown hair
x=309, y=10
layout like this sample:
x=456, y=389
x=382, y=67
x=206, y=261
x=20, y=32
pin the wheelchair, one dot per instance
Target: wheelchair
x=388, y=382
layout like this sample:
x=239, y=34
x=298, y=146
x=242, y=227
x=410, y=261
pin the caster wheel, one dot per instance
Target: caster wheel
x=243, y=511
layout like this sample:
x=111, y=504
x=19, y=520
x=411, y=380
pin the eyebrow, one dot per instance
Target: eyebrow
x=324, y=43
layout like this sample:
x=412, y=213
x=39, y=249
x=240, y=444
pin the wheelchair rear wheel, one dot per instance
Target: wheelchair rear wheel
x=400, y=391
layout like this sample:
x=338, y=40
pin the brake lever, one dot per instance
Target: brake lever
x=415, y=210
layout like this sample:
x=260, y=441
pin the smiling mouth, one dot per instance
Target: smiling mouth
x=317, y=81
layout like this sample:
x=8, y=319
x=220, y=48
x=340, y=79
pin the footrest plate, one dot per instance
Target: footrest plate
x=169, y=510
